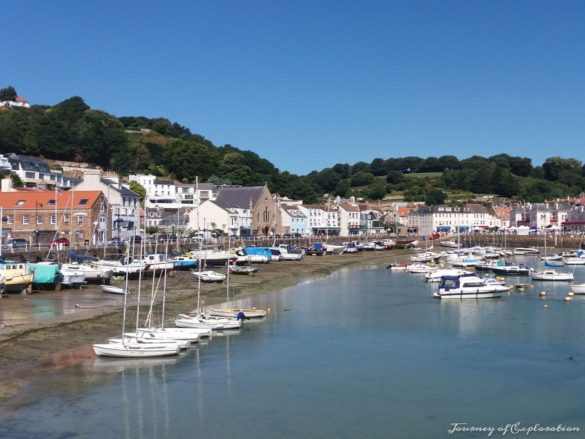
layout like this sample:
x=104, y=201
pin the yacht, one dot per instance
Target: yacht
x=467, y=286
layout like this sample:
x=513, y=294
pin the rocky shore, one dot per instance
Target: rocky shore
x=50, y=330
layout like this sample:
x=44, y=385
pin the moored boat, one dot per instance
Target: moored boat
x=467, y=286
x=552, y=275
x=209, y=276
x=578, y=288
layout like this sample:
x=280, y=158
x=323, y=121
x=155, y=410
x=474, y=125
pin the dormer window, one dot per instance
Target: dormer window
x=83, y=201
x=51, y=202
x=20, y=203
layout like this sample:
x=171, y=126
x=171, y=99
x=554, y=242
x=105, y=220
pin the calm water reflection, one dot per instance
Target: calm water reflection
x=362, y=353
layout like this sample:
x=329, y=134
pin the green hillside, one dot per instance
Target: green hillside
x=71, y=130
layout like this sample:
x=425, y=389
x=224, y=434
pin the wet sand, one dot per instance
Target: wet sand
x=50, y=330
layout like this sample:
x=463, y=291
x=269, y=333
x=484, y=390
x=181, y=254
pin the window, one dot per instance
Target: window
x=51, y=202
x=67, y=218
x=80, y=219
x=39, y=219
x=25, y=219
x=10, y=219
x=20, y=203
x=83, y=201
x=29, y=174
x=53, y=219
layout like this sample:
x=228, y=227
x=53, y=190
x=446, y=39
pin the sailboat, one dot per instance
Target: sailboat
x=231, y=312
x=128, y=347
x=196, y=319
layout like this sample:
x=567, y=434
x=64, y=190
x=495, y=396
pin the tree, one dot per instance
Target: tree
x=360, y=167
x=435, y=197
x=139, y=189
x=553, y=166
x=16, y=181
x=362, y=179
x=8, y=94
x=377, y=190
x=104, y=141
x=394, y=177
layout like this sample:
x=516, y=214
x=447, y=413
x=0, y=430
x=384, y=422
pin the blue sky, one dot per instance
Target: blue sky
x=307, y=84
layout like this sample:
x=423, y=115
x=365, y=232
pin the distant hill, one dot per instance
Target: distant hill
x=71, y=130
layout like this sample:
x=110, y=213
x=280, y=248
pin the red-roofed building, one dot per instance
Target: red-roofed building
x=40, y=217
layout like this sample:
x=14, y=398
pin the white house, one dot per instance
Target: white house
x=159, y=192
x=349, y=219
x=210, y=216
x=34, y=172
x=430, y=219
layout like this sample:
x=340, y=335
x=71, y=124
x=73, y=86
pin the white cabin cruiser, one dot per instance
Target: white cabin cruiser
x=467, y=286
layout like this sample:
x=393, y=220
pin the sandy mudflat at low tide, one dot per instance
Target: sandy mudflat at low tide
x=50, y=330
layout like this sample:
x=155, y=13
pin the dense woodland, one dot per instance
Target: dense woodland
x=73, y=131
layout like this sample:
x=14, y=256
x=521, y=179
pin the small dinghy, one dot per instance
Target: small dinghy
x=110, y=289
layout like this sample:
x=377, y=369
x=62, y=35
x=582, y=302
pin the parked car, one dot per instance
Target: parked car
x=165, y=238
x=115, y=242
x=64, y=242
x=17, y=243
x=135, y=239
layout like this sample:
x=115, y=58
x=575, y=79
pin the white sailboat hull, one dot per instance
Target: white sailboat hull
x=578, y=288
x=134, y=350
x=250, y=313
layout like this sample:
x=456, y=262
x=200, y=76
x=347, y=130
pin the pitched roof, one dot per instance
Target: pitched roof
x=119, y=188
x=293, y=210
x=349, y=207
x=33, y=200
x=28, y=163
x=239, y=197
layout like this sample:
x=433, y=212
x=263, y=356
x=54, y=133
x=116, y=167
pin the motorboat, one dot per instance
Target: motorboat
x=209, y=276
x=17, y=276
x=90, y=272
x=125, y=266
x=242, y=269
x=213, y=258
x=395, y=266
x=467, y=286
x=287, y=255
x=47, y=276
x=508, y=269
x=72, y=277
x=419, y=267
x=526, y=251
x=552, y=275
x=449, y=244
x=157, y=261
x=435, y=276
x=425, y=257
x=350, y=247
x=332, y=249
x=184, y=262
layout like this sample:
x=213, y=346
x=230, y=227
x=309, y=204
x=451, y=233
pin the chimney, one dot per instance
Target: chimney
x=92, y=177
x=7, y=185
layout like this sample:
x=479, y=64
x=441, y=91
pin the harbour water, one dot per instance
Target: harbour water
x=360, y=353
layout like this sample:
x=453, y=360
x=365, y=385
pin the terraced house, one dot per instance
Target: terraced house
x=42, y=216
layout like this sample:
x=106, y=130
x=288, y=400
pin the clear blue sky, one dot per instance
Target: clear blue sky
x=307, y=84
